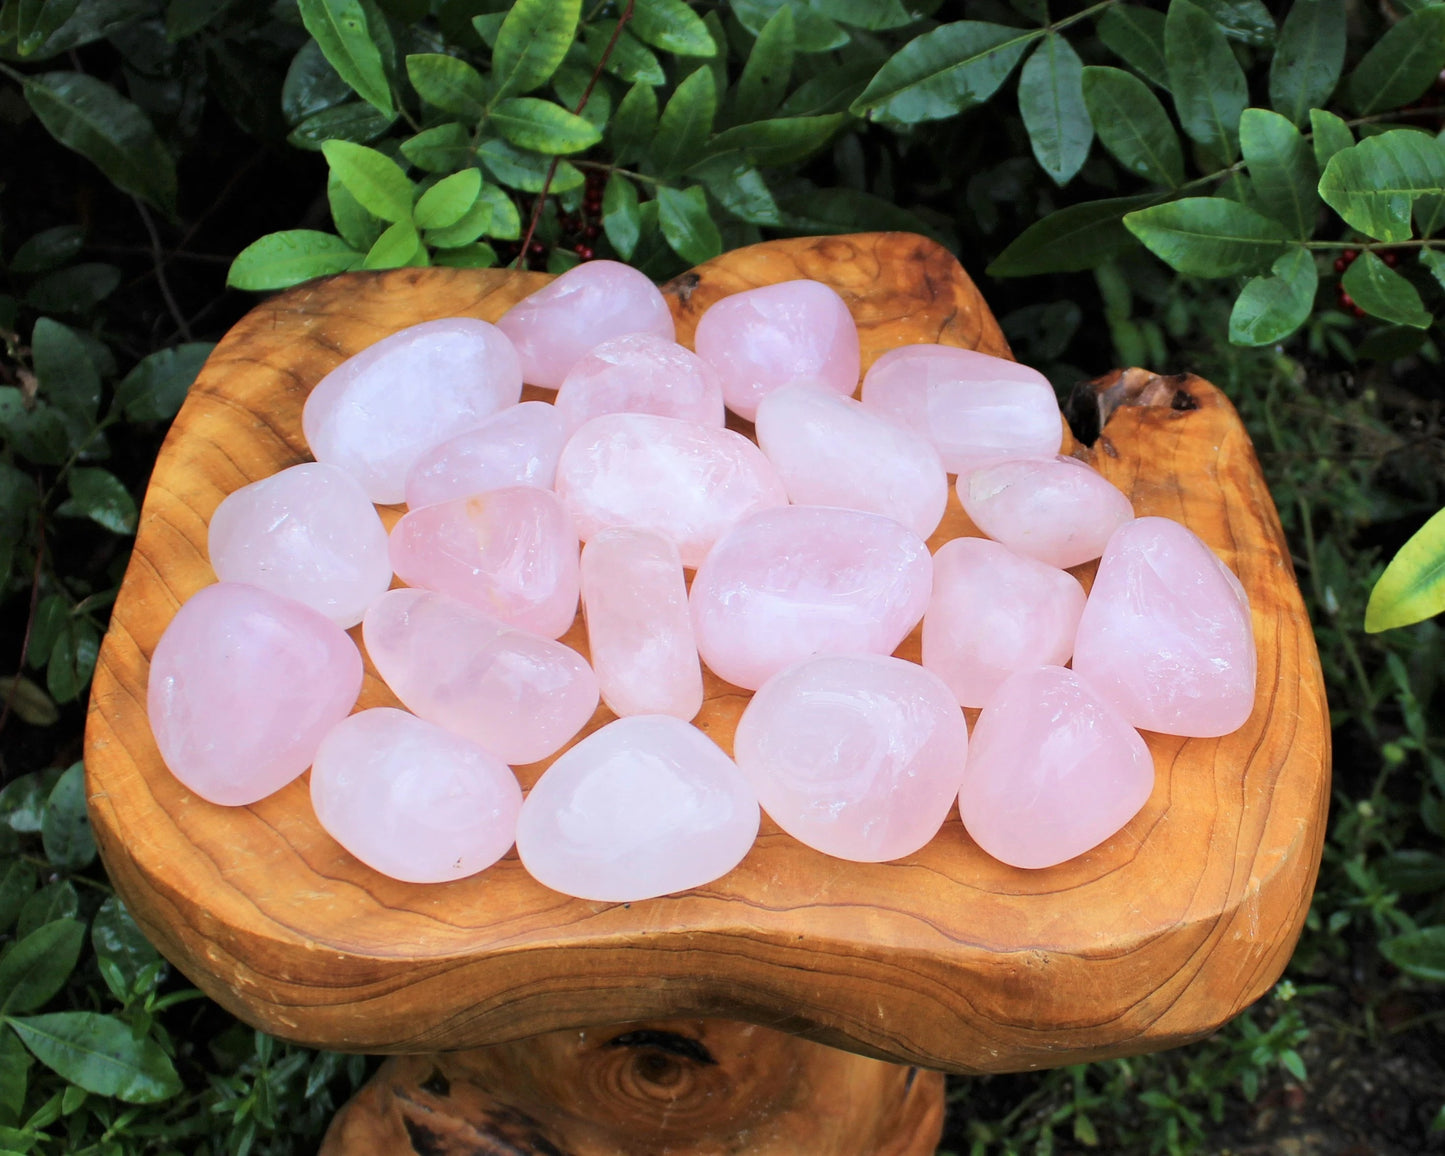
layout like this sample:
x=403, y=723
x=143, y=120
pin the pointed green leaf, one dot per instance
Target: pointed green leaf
x=1136, y=36
x=472, y=224
x=777, y=142
x=1207, y=82
x=156, y=387
x=100, y=1054
x=1208, y=236
x=873, y=15
x=1419, y=953
x=1075, y=238
x=1412, y=588
x=449, y=84
x=825, y=211
x=769, y=67
x=311, y=85
x=1402, y=64
x=621, y=219
x=65, y=832
x=812, y=30
x=476, y=256
x=48, y=249
x=75, y=289
x=832, y=90
x=506, y=224
x=570, y=83
x=1308, y=58
x=444, y=148
x=685, y=124
x=1247, y=21
x=687, y=225
x=342, y=29
x=373, y=178
x=630, y=60
x=35, y=20
x=57, y=900
x=1270, y=308
x=355, y=121
x=531, y=123
x=120, y=944
x=1331, y=134
x=17, y=884
x=1051, y=102
x=1374, y=184
x=672, y=26
x=68, y=378
x=739, y=188
x=357, y=227
x=447, y=201
x=532, y=42
x=1282, y=171
x=1133, y=125
x=22, y=802
x=396, y=247
x=1434, y=260
x=68, y=671
x=38, y=966
x=280, y=260
x=635, y=124
x=1383, y=293
x=100, y=496
x=521, y=169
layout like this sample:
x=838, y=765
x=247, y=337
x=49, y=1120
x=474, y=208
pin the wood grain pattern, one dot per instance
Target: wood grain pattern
x=947, y=959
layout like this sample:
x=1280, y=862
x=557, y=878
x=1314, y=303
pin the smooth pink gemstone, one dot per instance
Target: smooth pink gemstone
x=1058, y=510
x=819, y=440
x=1053, y=770
x=511, y=552
x=646, y=806
x=856, y=755
x=640, y=373
x=976, y=409
x=376, y=413
x=1166, y=635
x=412, y=800
x=560, y=323
x=761, y=339
x=687, y=481
x=519, y=695
x=308, y=533
x=519, y=446
x=994, y=612
x=639, y=630
x=244, y=684
x=789, y=583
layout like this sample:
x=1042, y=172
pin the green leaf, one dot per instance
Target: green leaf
x=38, y=966
x=442, y=149
x=570, y=82
x=116, y=939
x=739, y=188
x=342, y=29
x=506, y=224
x=1051, y=101
x=769, y=67
x=1419, y=953
x=1208, y=236
x=1207, y=82
x=873, y=15
x=74, y=290
x=477, y=256
x=15, y=1064
x=311, y=85
x=635, y=124
x=91, y=118
x=36, y=20
x=396, y=247
x=72, y=658
x=533, y=41
x=841, y=210
x=447, y=83
x=812, y=30
x=1402, y=64
x=1331, y=135
x=777, y=142
x=1270, y=308
x=357, y=227
x=943, y=72
x=472, y=224
x=630, y=60
x=377, y=182
x=832, y=90
x=17, y=884
x=22, y=802
x=1133, y=125
x=1374, y=184
x=519, y=169
x=65, y=832
x=156, y=387
x=672, y=26
x=1434, y=260
x=56, y=900
x=1282, y=173
x=1071, y=239
x=1308, y=58
x=1383, y=293
x=354, y=121
x=447, y=201
x=100, y=496
x=100, y=1054
x=543, y=126
x=1248, y=21
x=687, y=225
x=280, y=260
x=68, y=379
x=621, y=219
x=38, y=433
x=48, y=249
x=1136, y=36
x=685, y=124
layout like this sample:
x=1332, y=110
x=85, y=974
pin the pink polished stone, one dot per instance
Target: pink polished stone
x=639, y=630
x=857, y=755
x=994, y=612
x=519, y=446
x=646, y=806
x=519, y=695
x=1057, y=510
x=819, y=442
x=1053, y=770
x=640, y=373
x=976, y=409
x=244, y=684
x=1166, y=635
x=761, y=339
x=687, y=481
x=558, y=325
x=511, y=552
x=412, y=800
x=786, y=584
x=376, y=413
x=308, y=533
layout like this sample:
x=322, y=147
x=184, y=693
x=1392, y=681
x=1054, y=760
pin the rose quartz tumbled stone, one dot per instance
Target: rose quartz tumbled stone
x=1058, y=510
x=510, y=552
x=857, y=755
x=1053, y=770
x=518, y=446
x=412, y=800
x=646, y=806
x=1166, y=635
x=994, y=612
x=308, y=533
x=376, y=413
x=519, y=695
x=557, y=325
x=640, y=373
x=832, y=451
x=976, y=409
x=687, y=481
x=761, y=339
x=639, y=631
x=786, y=584
x=244, y=684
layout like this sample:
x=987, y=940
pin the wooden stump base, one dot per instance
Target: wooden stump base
x=682, y=1087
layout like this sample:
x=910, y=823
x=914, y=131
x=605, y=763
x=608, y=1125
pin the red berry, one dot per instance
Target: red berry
x=591, y=232
x=1341, y=265
x=1350, y=255
x=1390, y=259
x=1346, y=301
x=1357, y=311
x=536, y=248
x=585, y=252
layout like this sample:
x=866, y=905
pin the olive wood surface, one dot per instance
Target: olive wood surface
x=947, y=958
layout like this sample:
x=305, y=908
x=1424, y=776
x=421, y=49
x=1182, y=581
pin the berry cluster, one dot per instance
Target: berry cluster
x=579, y=230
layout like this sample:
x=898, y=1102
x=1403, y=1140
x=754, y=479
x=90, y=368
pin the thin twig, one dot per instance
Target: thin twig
x=158, y=258
x=29, y=618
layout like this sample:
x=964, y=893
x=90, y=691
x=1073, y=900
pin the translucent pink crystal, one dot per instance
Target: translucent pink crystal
x=412, y=800
x=831, y=451
x=519, y=695
x=640, y=373
x=976, y=409
x=308, y=533
x=646, y=806
x=994, y=612
x=687, y=481
x=244, y=684
x=1058, y=510
x=554, y=327
x=518, y=446
x=856, y=755
x=789, y=583
x=1166, y=635
x=376, y=413
x=639, y=630
x=1053, y=770
x=764, y=338
x=511, y=552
